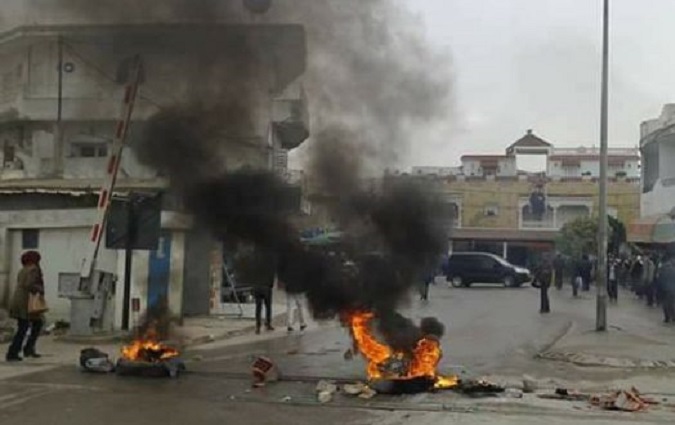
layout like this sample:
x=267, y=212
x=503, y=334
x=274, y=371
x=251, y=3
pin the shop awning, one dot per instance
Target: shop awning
x=658, y=229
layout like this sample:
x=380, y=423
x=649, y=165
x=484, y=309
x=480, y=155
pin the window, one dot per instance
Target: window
x=30, y=238
x=90, y=150
x=492, y=210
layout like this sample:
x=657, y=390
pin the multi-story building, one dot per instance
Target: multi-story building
x=657, y=143
x=61, y=71
x=513, y=213
x=560, y=162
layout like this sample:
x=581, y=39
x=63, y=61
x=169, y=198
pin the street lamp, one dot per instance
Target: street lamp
x=601, y=304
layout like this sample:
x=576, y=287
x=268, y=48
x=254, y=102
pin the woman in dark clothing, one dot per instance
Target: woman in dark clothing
x=29, y=281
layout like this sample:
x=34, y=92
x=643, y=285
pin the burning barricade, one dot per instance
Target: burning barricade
x=398, y=372
x=148, y=356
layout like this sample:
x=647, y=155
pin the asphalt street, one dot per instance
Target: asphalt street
x=489, y=330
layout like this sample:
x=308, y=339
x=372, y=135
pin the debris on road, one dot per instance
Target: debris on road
x=94, y=360
x=326, y=386
x=623, y=400
x=367, y=393
x=513, y=393
x=529, y=384
x=264, y=371
x=354, y=389
x=478, y=387
x=566, y=395
x=360, y=390
x=325, y=391
x=325, y=396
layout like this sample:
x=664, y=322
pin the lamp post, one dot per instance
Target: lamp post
x=601, y=304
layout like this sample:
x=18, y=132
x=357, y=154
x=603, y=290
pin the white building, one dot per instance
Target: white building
x=436, y=171
x=585, y=162
x=581, y=162
x=657, y=143
x=48, y=188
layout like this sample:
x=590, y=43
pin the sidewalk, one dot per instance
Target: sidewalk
x=195, y=331
x=636, y=336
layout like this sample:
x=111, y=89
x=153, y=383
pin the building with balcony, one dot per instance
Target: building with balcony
x=580, y=162
x=517, y=214
x=53, y=65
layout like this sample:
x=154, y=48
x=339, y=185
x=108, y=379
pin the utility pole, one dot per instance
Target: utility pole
x=58, y=128
x=601, y=305
x=128, y=258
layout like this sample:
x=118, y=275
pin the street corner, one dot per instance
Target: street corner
x=616, y=348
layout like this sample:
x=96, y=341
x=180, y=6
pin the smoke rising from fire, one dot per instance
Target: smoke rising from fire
x=373, y=85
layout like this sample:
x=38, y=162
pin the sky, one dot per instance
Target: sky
x=536, y=64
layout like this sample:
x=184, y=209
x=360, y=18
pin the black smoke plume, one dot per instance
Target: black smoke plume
x=374, y=86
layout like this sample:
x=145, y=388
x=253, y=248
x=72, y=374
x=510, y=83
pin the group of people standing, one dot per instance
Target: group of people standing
x=651, y=276
x=262, y=270
x=552, y=272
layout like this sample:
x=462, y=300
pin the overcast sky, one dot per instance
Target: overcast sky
x=523, y=64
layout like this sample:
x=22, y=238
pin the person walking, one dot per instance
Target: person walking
x=648, y=284
x=586, y=273
x=636, y=272
x=612, y=280
x=424, y=287
x=294, y=304
x=29, y=281
x=256, y=267
x=543, y=275
x=666, y=284
x=558, y=271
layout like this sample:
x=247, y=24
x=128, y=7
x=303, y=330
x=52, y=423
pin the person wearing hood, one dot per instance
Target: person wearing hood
x=29, y=281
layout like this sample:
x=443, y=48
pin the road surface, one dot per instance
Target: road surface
x=489, y=330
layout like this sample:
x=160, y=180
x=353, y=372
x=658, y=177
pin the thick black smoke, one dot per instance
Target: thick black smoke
x=373, y=85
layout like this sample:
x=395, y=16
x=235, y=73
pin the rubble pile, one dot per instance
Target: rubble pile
x=623, y=400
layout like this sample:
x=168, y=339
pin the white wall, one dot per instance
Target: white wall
x=63, y=242
x=62, y=250
x=661, y=200
x=666, y=159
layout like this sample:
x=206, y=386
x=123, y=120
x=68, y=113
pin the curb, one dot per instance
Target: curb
x=205, y=339
x=546, y=347
x=547, y=352
x=592, y=360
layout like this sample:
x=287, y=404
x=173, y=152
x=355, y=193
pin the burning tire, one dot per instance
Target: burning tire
x=403, y=386
x=162, y=369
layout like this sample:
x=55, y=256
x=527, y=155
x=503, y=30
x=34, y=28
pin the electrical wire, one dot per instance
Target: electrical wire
x=99, y=70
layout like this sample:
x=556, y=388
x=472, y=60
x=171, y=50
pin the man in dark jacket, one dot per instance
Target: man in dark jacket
x=666, y=284
x=543, y=275
x=256, y=267
x=559, y=271
x=586, y=272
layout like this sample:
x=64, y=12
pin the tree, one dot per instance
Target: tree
x=580, y=237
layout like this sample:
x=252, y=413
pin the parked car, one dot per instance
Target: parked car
x=466, y=268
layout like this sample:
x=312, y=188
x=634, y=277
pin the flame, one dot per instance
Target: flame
x=147, y=348
x=422, y=363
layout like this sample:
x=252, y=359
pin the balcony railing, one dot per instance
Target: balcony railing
x=546, y=223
